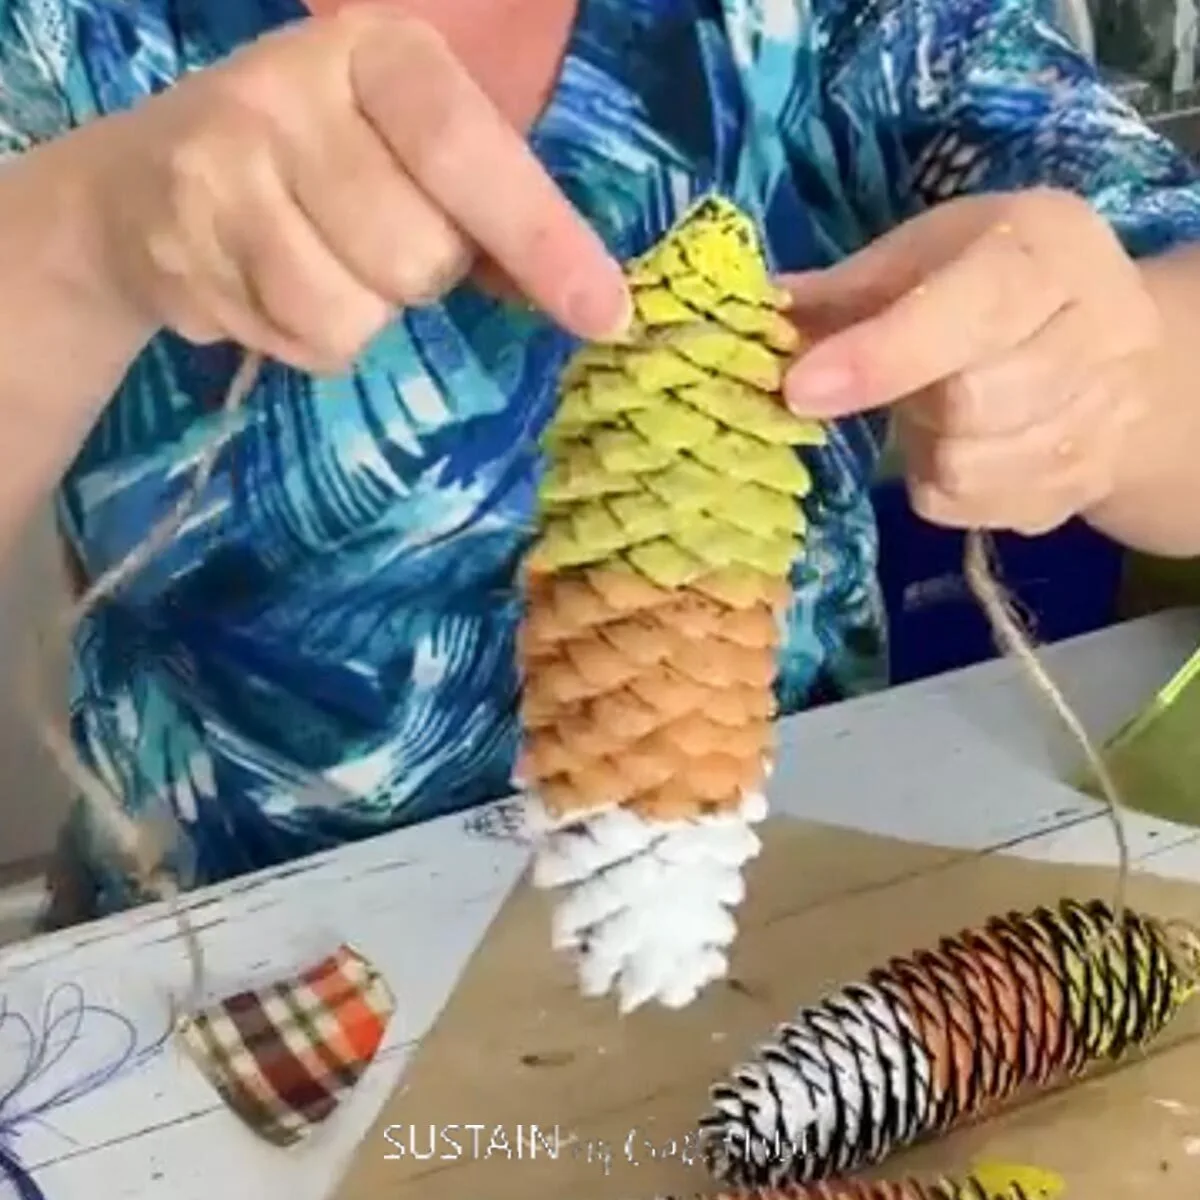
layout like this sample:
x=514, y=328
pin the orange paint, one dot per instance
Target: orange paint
x=1004, y=1002
x=962, y=1030
x=637, y=695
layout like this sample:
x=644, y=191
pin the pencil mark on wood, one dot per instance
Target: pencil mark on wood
x=503, y=822
x=550, y=1058
x=741, y=988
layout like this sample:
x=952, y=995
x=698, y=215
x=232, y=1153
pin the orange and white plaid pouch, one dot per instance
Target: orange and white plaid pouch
x=283, y=1056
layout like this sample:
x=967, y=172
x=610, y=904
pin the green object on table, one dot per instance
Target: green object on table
x=1155, y=759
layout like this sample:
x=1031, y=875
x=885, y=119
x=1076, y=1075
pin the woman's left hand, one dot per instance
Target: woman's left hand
x=1015, y=341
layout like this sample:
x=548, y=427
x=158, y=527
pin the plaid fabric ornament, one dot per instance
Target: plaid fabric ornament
x=282, y=1056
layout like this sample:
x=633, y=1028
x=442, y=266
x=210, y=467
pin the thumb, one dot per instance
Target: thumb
x=866, y=282
x=824, y=382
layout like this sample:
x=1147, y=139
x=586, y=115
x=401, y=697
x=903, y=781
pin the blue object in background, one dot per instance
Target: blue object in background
x=1065, y=582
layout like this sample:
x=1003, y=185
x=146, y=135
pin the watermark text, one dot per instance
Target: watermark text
x=553, y=1143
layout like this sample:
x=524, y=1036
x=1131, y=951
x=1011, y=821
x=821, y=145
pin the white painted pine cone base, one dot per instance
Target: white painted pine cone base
x=647, y=908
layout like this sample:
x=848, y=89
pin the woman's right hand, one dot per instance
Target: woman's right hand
x=295, y=196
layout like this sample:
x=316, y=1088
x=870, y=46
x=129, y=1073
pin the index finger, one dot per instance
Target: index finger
x=994, y=296
x=458, y=148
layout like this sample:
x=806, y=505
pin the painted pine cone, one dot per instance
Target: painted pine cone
x=671, y=518
x=942, y=1037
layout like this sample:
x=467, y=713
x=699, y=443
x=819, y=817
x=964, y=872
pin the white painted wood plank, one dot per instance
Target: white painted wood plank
x=973, y=759
x=962, y=761
x=382, y=897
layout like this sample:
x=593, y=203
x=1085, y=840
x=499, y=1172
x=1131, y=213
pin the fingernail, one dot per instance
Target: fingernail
x=601, y=309
x=813, y=385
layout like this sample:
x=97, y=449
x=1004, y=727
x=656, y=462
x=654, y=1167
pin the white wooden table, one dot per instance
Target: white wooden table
x=968, y=761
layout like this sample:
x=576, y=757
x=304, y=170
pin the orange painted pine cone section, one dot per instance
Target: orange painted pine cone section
x=660, y=701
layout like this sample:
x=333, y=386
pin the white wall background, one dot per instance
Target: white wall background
x=33, y=796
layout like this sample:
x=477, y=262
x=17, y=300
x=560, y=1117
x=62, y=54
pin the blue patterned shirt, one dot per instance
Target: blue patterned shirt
x=326, y=651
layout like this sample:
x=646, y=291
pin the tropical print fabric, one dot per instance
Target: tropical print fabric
x=326, y=651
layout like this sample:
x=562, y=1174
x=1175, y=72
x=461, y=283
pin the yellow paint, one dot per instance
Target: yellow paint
x=674, y=453
x=999, y=1178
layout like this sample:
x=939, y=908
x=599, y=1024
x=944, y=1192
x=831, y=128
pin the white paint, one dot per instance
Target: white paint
x=647, y=907
x=962, y=761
